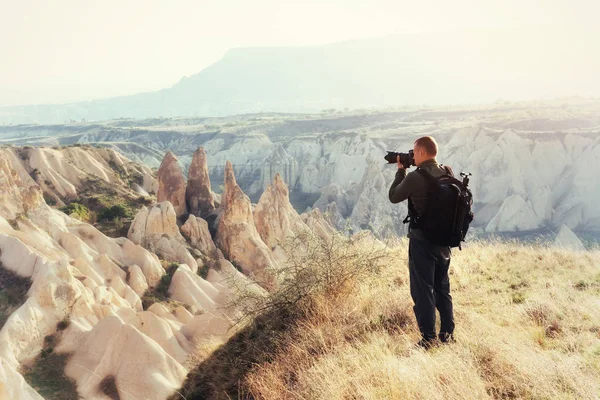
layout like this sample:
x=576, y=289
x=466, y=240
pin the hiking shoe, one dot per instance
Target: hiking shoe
x=446, y=337
x=426, y=344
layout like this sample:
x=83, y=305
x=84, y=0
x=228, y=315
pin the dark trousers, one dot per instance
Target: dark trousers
x=430, y=286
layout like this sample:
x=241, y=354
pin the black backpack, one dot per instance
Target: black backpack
x=447, y=214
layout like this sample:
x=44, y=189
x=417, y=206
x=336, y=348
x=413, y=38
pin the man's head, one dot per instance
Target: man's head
x=425, y=148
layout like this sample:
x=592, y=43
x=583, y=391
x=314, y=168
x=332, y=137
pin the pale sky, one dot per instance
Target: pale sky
x=55, y=51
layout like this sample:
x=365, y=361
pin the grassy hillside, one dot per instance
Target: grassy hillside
x=527, y=317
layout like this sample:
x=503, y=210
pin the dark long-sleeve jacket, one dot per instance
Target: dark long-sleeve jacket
x=414, y=185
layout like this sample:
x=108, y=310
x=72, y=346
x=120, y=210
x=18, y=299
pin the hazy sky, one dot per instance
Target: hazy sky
x=67, y=50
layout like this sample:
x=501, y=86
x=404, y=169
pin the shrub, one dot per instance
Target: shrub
x=35, y=174
x=160, y=292
x=113, y=212
x=77, y=210
x=362, y=345
x=62, y=325
x=316, y=268
x=47, y=376
x=203, y=271
x=49, y=200
x=46, y=373
x=319, y=273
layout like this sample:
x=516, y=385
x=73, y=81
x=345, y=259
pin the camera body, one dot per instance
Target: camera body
x=407, y=159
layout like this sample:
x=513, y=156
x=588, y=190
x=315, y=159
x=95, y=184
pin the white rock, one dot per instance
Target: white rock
x=138, y=364
x=567, y=239
x=155, y=228
x=514, y=215
x=196, y=231
x=189, y=288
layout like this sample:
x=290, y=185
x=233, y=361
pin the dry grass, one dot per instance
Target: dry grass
x=528, y=327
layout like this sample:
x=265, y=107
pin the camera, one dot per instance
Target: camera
x=407, y=159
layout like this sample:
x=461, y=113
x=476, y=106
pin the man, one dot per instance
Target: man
x=428, y=263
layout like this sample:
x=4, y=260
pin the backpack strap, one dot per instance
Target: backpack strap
x=411, y=216
x=448, y=170
x=430, y=177
x=427, y=175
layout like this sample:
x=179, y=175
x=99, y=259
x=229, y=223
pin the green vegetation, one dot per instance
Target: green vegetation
x=119, y=210
x=35, y=174
x=109, y=210
x=159, y=294
x=129, y=175
x=77, y=210
x=46, y=373
x=203, y=271
x=49, y=200
x=62, y=325
x=23, y=152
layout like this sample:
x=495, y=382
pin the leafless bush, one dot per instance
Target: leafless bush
x=316, y=267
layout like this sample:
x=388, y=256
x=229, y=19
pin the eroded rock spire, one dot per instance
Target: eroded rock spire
x=198, y=195
x=171, y=185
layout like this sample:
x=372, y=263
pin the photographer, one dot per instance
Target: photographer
x=428, y=263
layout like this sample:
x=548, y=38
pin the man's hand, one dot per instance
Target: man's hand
x=400, y=165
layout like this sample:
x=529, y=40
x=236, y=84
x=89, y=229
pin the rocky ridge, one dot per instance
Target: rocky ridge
x=338, y=157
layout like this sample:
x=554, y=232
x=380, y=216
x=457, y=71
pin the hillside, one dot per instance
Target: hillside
x=528, y=326
x=210, y=295
x=84, y=314
x=533, y=163
x=435, y=68
x=95, y=185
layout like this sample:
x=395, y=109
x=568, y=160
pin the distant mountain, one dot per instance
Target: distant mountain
x=436, y=68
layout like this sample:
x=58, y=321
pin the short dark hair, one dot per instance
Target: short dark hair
x=428, y=144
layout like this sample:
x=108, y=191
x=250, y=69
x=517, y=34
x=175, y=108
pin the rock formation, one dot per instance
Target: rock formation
x=568, y=240
x=13, y=386
x=278, y=161
x=114, y=348
x=274, y=217
x=155, y=228
x=237, y=236
x=333, y=193
x=372, y=209
x=63, y=174
x=325, y=160
x=187, y=287
x=196, y=231
x=317, y=223
x=198, y=195
x=79, y=275
x=171, y=185
x=333, y=216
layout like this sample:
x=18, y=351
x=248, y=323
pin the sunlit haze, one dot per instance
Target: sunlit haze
x=71, y=50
